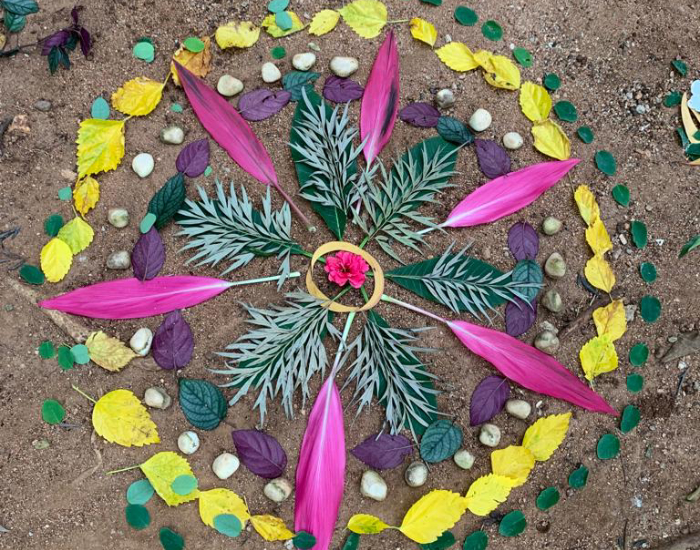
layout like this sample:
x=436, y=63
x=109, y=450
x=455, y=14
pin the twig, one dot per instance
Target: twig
x=4, y=125
x=90, y=471
x=681, y=379
x=584, y=316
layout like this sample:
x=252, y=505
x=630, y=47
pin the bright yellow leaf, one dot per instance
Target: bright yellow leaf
x=487, y=493
x=271, y=528
x=77, y=234
x=366, y=17
x=535, y=101
x=162, y=469
x=120, y=418
x=551, y=140
x=364, y=524
x=432, y=515
x=457, y=56
x=611, y=320
x=597, y=356
x=545, y=435
x=221, y=501
x=597, y=237
x=599, y=273
x=197, y=63
x=587, y=205
x=688, y=123
x=100, y=146
x=273, y=30
x=56, y=258
x=501, y=72
x=423, y=30
x=234, y=34
x=483, y=59
x=324, y=22
x=514, y=462
x=86, y=194
x=138, y=96
x=107, y=352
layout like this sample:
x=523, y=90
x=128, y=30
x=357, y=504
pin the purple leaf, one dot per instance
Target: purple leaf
x=488, y=399
x=262, y=103
x=341, y=90
x=383, y=451
x=420, y=114
x=57, y=39
x=194, y=158
x=148, y=255
x=261, y=453
x=520, y=316
x=493, y=159
x=74, y=13
x=85, y=41
x=523, y=241
x=173, y=342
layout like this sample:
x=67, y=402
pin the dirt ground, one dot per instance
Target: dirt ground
x=611, y=56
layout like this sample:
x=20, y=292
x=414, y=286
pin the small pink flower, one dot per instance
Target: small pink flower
x=346, y=267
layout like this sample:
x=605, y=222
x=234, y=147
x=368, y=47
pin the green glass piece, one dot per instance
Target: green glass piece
x=585, y=134
x=466, y=16
x=65, y=358
x=53, y=224
x=80, y=354
x=551, y=81
x=680, y=67
x=147, y=222
x=608, y=447
x=523, y=56
x=47, y=350
x=100, y=108
x=621, y=194
x=492, y=30
x=547, y=498
x=606, y=163
x=145, y=51
x=278, y=52
x=137, y=516
x=31, y=274
x=630, y=419
x=579, y=477
x=672, y=99
x=283, y=20
x=648, y=272
x=65, y=193
x=566, y=111
x=193, y=44
x=176, y=108
x=650, y=308
x=640, y=237
x=635, y=382
x=639, y=355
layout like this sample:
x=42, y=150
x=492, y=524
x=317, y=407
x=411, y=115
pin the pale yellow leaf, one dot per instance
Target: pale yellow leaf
x=545, y=435
x=501, y=72
x=597, y=356
x=273, y=30
x=138, y=96
x=457, y=56
x=487, y=493
x=197, y=63
x=234, y=34
x=688, y=123
x=324, y=22
x=599, y=273
x=120, y=418
x=535, y=101
x=56, y=258
x=107, y=352
x=551, y=140
x=77, y=234
x=423, y=30
x=366, y=17
x=513, y=462
x=86, y=194
x=597, y=237
x=221, y=501
x=364, y=524
x=271, y=528
x=432, y=515
x=611, y=320
x=587, y=205
x=161, y=470
x=100, y=146
x=483, y=59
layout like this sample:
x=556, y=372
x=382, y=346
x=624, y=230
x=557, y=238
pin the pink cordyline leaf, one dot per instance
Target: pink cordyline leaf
x=133, y=299
x=380, y=102
x=321, y=469
x=507, y=194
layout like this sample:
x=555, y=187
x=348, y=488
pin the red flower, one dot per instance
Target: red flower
x=346, y=267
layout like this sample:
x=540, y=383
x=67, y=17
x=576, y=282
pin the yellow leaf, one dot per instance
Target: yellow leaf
x=100, y=146
x=551, y=140
x=423, y=30
x=545, y=435
x=599, y=273
x=234, y=34
x=56, y=258
x=273, y=30
x=535, y=101
x=324, y=22
x=107, y=352
x=221, y=501
x=597, y=237
x=597, y=356
x=432, y=515
x=587, y=205
x=364, y=524
x=457, y=56
x=501, y=72
x=138, y=96
x=611, y=320
x=514, y=462
x=120, y=418
x=271, y=528
x=483, y=59
x=161, y=470
x=77, y=234
x=86, y=194
x=688, y=123
x=197, y=63
x=487, y=493
x=366, y=17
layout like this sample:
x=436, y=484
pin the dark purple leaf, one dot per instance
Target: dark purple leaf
x=383, y=451
x=74, y=13
x=194, y=158
x=488, y=399
x=261, y=453
x=341, y=90
x=420, y=114
x=57, y=39
x=520, y=316
x=173, y=342
x=523, y=241
x=148, y=255
x=493, y=159
x=85, y=41
x=262, y=103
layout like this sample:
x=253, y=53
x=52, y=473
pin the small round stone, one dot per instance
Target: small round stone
x=547, y=342
x=373, y=486
x=119, y=260
x=157, y=398
x=143, y=164
x=188, y=442
x=229, y=85
x=303, y=61
x=552, y=301
x=118, y=217
x=464, y=459
x=480, y=120
x=555, y=266
x=344, y=66
x=270, y=73
x=43, y=105
x=512, y=141
x=518, y=408
x=278, y=490
x=445, y=98
x=173, y=135
x=225, y=465
x=416, y=474
x=551, y=225
x=141, y=341
x=490, y=435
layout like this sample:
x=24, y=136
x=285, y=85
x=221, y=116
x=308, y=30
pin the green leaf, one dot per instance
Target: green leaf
x=451, y=129
x=672, y=99
x=65, y=193
x=440, y=441
x=52, y=412
x=608, y=447
x=46, y=350
x=650, y=308
x=53, y=224
x=444, y=541
x=639, y=355
x=606, y=163
x=228, y=524
x=621, y=194
x=275, y=6
x=585, y=134
x=566, y=111
x=80, y=354
x=304, y=540
x=551, y=81
x=478, y=540
x=100, y=108
x=692, y=244
x=65, y=358
x=523, y=57
x=193, y=44
x=20, y=7
x=278, y=52
x=176, y=108
x=579, y=477
x=647, y=271
x=680, y=67
x=137, y=516
x=139, y=492
x=31, y=274
x=635, y=382
x=547, y=498
x=184, y=484
x=352, y=542
x=630, y=419
x=432, y=2
x=170, y=540
x=14, y=22
x=296, y=81
x=492, y=30
x=52, y=59
x=638, y=230
x=465, y=16
x=202, y=403
x=283, y=20
x=528, y=276
x=512, y=524
x=168, y=200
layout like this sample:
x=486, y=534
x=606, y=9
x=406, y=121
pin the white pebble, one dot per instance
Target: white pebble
x=464, y=459
x=490, y=435
x=344, y=66
x=445, y=98
x=188, y=442
x=229, y=85
x=141, y=341
x=119, y=260
x=270, y=73
x=551, y=225
x=118, y=217
x=518, y=408
x=555, y=266
x=303, y=61
x=552, y=301
x=143, y=164
x=512, y=141
x=416, y=474
x=225, y=465
x=278, y=490
x=547, y=342
x=480, y=120
x=373, y=486
x=173, y=135
x=156, y=398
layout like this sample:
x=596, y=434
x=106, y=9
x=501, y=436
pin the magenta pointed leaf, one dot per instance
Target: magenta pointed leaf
x=148, y=255
x=260, y=453
x=194, y=158
x=173, y=342
x=383, y=451
x=488, y=399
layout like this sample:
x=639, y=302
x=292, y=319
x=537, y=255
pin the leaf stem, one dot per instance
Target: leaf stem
x=85, y=395
x=391, y=300
x=123, y=469
x=341, y=346
x=309, y=226
x=365, y=241
x=291, y=275
x=428, y=229
x=398, y=21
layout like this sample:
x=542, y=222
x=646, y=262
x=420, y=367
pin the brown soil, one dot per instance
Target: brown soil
x=602, y=50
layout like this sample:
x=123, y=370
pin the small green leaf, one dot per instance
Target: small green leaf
x=523, y=56
x=579, y=477
x=65, y=358
x=170, y=540
x=444, y=541
x=352, y=542
x=193, y=44
x=672, y=99
x=176, y=108
x=139, y=492
x=650, y=308
x=440, y=441
x=547, y=498
x=31, y=274
x=451, y=129
x=47, y=350
x=492, y=30
x=275, y=6
x=80, y=354
x=566, y=111
x=100, y=108
x=278, y=52
x=621, y=194
x=635, y=382
x=606, y=163
x=14, y=22
x=466, y=16
x=638, y=230
x=283, y=20
x=608, y=447
x=647, y=271
x=65, y=193
x=184, y=484
x=145, y=51
x=147, y=222
x=692, y=244
x=202, y=403
x=295, y=81
x=53, y=224
x=529, y=274
x=207, y=171
x=432, y=2
x=52, y=412
x=585, y=134
x=630, y=419
x=639, y=355
x=680, y=67
x=512, y=524
x=228, y=524
x=304, y=540
x=137, y=516
x=478, y=540
x=168, y=200
x=20, y=7
x=551, y=81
